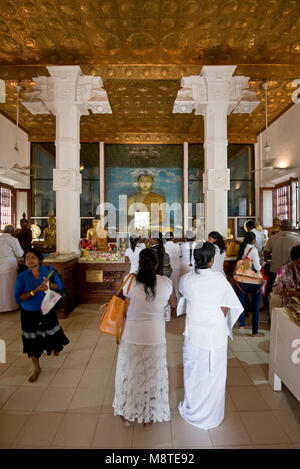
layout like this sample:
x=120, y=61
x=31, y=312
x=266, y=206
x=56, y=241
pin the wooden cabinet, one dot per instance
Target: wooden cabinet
x=97, y=282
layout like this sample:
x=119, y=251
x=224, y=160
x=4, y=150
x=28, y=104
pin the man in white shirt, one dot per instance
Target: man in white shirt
x=260, y=239
x=10, y=250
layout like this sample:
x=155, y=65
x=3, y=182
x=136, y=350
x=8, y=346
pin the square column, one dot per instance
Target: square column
x=68, y=94
x=214, y=94
x=216, y=178
x=66, y=176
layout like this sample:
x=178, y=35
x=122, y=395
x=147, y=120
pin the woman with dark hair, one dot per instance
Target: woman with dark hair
x=141, y=382
x=249, y=251
x=132, y=253
x=39, y=332
x=164, y=263
x=212, y=308
x=187, y=252
x=217, y=240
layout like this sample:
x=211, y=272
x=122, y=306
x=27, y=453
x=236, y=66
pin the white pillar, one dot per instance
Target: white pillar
x=66, y=175
x=215, y=94
x=216, y=179
x=68, y=94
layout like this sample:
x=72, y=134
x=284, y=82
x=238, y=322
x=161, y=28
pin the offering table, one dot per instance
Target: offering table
x=100, y=275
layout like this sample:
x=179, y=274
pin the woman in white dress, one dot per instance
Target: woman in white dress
x=132, y=253
x=10, y=249
x=187, y=252
x=211, y=310
x=217, y=240
x=248, y=250
x=141, y=382
x=173, y=249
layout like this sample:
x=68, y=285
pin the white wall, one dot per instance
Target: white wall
x=284, y=140
x=9, y=156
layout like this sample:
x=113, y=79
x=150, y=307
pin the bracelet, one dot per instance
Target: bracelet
x=31, y=293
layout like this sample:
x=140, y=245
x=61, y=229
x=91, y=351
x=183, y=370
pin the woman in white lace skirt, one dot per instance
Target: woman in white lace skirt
x=141, y=382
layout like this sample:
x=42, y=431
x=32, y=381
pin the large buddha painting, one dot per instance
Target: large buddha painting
x=150, y=176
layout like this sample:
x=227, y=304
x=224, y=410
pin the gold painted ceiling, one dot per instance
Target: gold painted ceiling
x=141, y=49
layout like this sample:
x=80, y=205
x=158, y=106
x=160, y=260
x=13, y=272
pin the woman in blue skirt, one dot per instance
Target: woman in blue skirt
x=39, y=332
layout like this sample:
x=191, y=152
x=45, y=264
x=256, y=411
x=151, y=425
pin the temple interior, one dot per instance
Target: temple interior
x=108, y=108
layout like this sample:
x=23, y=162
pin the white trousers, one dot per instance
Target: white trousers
x=205, y=374
x=7, y=285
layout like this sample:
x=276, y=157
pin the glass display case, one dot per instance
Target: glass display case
x=6, y=207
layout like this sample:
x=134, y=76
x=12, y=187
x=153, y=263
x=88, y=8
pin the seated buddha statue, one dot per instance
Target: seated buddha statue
x=142, y=201
x=98, y=235
x=50, y=231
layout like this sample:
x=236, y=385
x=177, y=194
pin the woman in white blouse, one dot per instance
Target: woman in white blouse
x=217, y=240
x=247, y=249
x=187, y=252
x=141, y=382
x=212, y=308
x=10, y=250
x=132, y=253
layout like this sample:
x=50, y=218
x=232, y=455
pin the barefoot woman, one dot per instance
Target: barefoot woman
x=39, y=332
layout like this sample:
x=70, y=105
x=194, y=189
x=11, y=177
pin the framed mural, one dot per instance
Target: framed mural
x=146, y=174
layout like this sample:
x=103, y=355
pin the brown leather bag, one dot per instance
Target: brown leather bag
x=114, y=316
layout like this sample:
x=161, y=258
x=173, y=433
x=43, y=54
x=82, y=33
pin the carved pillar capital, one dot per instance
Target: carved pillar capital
x=66, y=180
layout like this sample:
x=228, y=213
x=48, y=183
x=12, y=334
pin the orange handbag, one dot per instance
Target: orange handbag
x=244, y=272
x=114, y=316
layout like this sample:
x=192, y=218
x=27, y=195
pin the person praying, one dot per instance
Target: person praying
x=212, y=308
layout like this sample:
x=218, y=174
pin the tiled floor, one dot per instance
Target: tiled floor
x=70, y=405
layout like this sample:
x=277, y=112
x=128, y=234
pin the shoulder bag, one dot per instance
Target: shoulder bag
x=114, y=316
x=244, y=272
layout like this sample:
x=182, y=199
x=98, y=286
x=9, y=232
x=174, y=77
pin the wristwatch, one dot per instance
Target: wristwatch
x=31, y=293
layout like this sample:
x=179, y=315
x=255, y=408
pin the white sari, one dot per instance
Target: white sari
x=205, y=346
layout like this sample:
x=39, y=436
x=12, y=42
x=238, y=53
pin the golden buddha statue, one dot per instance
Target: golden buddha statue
x=98, y=235
x=92, y=231
x=50, y=231
x=229, y=235
x=142, y=201
x=276, y=226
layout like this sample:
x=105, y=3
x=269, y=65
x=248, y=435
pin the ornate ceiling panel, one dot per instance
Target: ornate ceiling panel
x=141, y=49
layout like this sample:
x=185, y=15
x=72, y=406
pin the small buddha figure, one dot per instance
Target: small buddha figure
x=98, y=235
x=276, y=226
x=50, y=231
x=92, y=231
x=229, y=235
x=24, y=235
x=146, y=197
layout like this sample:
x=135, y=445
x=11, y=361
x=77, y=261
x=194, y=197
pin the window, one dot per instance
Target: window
x=282, y=201
x=241, y=165
x=43, y=198
x=5, y=206
x=285, y=201
x=241, y=194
